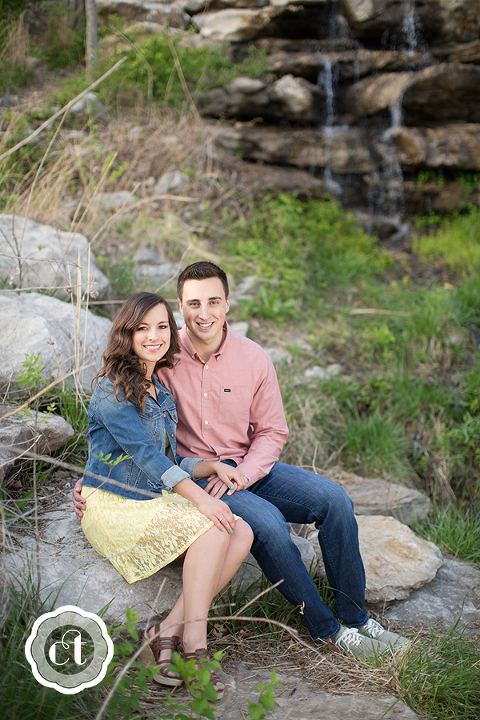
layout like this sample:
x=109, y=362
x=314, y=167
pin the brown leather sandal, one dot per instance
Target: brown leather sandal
x=198, y=656
x=150, y=655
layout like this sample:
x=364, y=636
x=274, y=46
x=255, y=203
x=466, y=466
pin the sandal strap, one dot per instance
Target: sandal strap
x=158, y=644
x=201, y=654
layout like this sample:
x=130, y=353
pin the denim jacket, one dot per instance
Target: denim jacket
x=116, y=427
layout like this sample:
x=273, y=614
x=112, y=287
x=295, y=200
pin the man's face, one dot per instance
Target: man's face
x=204, y=307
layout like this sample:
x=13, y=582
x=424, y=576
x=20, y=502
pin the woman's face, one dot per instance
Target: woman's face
x=151, y=339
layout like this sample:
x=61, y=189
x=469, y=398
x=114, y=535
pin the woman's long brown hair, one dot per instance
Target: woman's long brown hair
x=120, y=364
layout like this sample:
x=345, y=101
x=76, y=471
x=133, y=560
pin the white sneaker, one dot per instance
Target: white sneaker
x=350, y=640
x=395, y=642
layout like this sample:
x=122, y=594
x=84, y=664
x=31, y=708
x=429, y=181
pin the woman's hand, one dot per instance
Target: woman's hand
x=231, y=476
x=78, y=501
x=217, y=511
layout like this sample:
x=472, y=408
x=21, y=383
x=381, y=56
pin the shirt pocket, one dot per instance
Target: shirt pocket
x=234, y=404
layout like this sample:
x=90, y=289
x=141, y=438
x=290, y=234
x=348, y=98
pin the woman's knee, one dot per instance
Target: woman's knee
x=243, y=534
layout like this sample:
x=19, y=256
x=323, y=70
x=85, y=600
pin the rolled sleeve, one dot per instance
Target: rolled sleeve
x=188, y=464
x=174, y=475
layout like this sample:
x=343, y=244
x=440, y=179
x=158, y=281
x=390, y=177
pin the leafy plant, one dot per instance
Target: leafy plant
x=160, y=66
x=456, y=242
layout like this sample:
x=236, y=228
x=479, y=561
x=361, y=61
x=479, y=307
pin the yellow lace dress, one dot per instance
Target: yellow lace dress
x=140, y=537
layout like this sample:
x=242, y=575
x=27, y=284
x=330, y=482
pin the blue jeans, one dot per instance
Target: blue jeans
x=290, y=494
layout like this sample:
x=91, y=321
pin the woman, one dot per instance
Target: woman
x=131, y=438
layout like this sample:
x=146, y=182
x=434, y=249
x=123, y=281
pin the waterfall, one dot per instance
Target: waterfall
x=409, y=28
x=327, y=79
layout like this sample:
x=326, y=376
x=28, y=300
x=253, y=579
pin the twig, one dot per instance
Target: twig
x=182, y=80
x=377, y=311
x=65, y=109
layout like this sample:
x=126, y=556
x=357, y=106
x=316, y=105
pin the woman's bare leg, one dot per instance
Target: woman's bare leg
x=210, y=562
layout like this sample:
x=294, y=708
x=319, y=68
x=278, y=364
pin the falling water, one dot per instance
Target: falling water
x=409, y=28
x=327, y=79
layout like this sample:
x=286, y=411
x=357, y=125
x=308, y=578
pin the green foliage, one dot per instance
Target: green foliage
x=151, y=60
x=266, y=701
x=455, y=529
x=12, y=8
x=300, y=249
x=456, y=242
x=377, y=443
x=31, y=377
x=439, y=678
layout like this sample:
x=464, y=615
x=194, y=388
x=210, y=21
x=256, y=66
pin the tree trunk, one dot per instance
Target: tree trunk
x=91, y=45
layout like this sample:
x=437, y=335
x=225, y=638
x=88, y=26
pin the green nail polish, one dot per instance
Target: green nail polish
x=231, y=532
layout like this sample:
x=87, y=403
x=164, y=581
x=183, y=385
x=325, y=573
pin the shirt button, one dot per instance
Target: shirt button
x=206, y=422
x=206, y=367
x=164, y=414
x=205, y=394
x=172, y=435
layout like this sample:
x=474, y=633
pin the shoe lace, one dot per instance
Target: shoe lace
x=350, y=636
x=374, y=628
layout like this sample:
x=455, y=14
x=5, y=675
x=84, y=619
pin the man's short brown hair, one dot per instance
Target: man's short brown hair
x=202, y=270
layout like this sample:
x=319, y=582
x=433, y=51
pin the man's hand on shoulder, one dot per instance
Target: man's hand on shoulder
x=78, y=502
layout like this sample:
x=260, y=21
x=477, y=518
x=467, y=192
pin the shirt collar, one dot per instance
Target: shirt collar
x=189, y=347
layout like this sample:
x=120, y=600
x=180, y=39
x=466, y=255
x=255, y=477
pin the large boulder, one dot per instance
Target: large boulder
x=32, y=324
x=73, y=573
x=456, y=145
x=289, y=98
x=347, y=148
x=42, y=257
x=374, y=496
x=396, y=560
x=235, y=25
x=22, y=430
x=447, y=92
x=165, y=13
x=451, y=599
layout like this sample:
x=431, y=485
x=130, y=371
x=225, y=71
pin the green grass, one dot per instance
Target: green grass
x=151, y=67
x=456, y=243
x=439, y=677
x=455, y=529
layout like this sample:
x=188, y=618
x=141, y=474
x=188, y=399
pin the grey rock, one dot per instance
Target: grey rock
x=89, y=104
x=33, y=255
x=234, y=24
x=319, y=373
x=178, y=319
x=157, y=274
x=297, y=699
x=452, y=596
x=27, y=430
x=240, y=327
x=144, y=11
x=172, y=180
x=146, y=256
x=374, y=496
x=9, y=100
x=33, y=323
x=70, y=567
x=279, y=355
x=396, y=560
x=114, y=200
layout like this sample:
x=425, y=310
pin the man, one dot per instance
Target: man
x=230, y=409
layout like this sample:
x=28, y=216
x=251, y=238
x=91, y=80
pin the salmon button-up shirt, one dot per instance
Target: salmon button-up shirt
x=230, y=406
